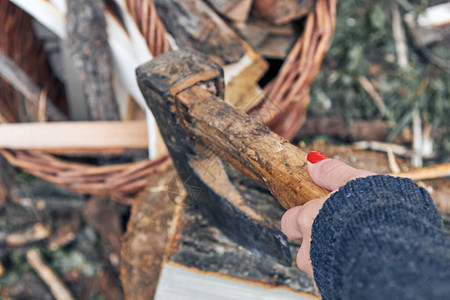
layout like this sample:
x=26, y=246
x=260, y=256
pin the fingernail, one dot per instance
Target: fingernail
x=315, y=156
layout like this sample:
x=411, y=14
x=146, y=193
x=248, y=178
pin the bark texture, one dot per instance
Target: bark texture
x=88, y=46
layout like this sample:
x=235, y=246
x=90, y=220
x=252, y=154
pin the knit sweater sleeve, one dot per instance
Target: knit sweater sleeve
x=380, y=237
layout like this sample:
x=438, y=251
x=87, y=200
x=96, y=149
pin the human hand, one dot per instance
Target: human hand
x=297, y=222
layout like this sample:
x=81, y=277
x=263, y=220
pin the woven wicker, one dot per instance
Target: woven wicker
x=151, y=27
x=283, y=109
x=289, y=91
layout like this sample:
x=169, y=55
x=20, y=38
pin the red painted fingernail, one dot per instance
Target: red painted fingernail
x=315, y=156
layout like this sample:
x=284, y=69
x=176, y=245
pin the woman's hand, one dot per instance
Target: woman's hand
x=297, y=222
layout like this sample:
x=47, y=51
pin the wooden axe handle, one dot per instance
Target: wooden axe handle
x=249, y=145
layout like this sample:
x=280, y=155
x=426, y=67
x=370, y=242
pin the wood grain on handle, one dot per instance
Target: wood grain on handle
x=250, y=146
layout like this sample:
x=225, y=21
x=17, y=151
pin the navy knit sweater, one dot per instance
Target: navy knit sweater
x=380, y=237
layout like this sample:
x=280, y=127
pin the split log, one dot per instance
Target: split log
x=268, y=40
x=222, y=261
x=147, y=235
x=282, y=11
x=223, y=265
x=195, y=25
x=88, y=46
x=236, y=10
x=75, y=137
x=251, y=33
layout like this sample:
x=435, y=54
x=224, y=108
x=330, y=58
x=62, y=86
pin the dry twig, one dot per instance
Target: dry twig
x=370, y=89
x=399, y=36
x=436, y=171
x=416, y=158
x=383, y=147
x=392, y=163
x=35, y=233
x=58, y=289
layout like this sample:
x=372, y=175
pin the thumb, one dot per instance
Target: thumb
x=331, y=174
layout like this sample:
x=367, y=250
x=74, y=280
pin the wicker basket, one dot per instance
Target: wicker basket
x=283, y=109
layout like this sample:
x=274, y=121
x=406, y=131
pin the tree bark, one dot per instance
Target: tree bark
x=88, y=46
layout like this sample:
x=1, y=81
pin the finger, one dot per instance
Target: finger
x=303, y=259
x=297, y=222
x=331, y=174
x=289, y=224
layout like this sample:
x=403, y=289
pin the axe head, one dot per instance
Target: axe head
x=198, y=165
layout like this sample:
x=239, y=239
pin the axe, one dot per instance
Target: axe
x=185, y=90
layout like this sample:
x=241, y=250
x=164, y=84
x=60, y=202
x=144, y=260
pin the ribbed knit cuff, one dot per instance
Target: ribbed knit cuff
x=356, y=210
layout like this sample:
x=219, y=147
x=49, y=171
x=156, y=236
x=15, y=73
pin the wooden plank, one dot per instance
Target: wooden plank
x=85, y=137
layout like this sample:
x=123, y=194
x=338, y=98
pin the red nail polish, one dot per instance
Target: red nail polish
x=315, y=156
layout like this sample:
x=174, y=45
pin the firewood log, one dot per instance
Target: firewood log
x=236, y=10
x=282, y=11
x=194, y=24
